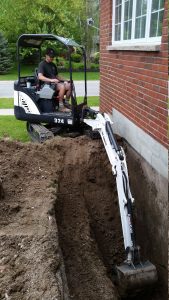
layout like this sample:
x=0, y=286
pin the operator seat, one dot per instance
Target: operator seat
x=37, y=81
x=49, y=102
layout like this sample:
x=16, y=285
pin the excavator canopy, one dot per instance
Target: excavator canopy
x=36, y=40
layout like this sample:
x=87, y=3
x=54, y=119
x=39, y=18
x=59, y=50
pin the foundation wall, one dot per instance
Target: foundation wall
x=148, y=171
x=150, y=190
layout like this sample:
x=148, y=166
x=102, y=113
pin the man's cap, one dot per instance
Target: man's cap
x=50, y=52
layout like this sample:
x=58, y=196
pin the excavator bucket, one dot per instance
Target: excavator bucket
x=135, y=280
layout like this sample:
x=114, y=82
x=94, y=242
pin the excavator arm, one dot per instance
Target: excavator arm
x=116, y=155
x=132, y=274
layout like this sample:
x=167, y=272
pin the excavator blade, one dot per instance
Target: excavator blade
x=132, y=281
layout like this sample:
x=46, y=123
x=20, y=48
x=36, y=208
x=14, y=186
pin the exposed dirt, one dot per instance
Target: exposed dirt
x=60, y=230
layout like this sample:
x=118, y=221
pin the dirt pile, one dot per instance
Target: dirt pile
x=29, y=256
x=60, y=229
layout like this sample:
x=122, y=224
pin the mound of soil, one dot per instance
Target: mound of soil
x=60, y=229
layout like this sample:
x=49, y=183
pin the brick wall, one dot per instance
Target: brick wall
x=135, y=82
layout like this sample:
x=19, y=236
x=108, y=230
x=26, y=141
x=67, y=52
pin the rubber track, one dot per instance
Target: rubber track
x=39, y=133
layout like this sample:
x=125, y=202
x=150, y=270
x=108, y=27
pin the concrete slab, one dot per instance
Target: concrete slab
x=6, y=112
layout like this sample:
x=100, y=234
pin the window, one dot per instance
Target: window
x=137, y=21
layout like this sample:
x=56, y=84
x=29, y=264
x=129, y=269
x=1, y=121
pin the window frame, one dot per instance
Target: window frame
x=147, y=40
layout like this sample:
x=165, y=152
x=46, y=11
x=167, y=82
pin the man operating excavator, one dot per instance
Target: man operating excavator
x=48, y=73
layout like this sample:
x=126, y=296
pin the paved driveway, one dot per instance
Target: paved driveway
x=6, y=88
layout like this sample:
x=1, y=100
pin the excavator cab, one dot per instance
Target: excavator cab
x=37, y=104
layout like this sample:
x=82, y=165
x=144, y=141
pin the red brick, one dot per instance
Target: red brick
x=135, y=82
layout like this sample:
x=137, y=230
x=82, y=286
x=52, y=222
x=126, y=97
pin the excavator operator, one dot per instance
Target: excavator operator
x=48, y=73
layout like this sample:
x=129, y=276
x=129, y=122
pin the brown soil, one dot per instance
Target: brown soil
x=60, y=230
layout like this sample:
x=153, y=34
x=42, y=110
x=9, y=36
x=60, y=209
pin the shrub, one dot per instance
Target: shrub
x=64, y=53
x=76, y=57
x=94, y=67
x=12, y=49
x=78, y=66
x=30, y=56
x=5, y=56
x=66, y=65
x=96, y=57
x=58, y=51
x=60, y=61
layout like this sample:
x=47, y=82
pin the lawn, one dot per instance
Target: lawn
x=13, y=129
x=30, y=70
x=8, y=102
x=91, y=100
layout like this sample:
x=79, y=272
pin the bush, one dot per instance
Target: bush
x=94, y=67
x=60, y=61
x=30, y=56
x=76, y=57
x=96, y=57
x=64, y=53
x=58, y=51
x=12, y=49
x=63, y=65
x=66, y=65
x=5, y=56
x=78, y=66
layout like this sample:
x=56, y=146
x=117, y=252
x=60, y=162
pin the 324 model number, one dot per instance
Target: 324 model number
x=59, y=121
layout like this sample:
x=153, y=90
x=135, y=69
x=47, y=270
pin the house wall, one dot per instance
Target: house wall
x=135, y=83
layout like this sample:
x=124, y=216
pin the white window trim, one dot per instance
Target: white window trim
x=145, y=44
x=153, y=46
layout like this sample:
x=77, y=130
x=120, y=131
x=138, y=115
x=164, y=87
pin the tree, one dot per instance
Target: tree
x=65, y=18
x=5, y=57
x=40, y=16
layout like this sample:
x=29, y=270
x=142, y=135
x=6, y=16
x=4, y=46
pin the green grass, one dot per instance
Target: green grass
x=30, y=70
x=80, y=75
x=6, y=103
x=13, y=129
x=13, y=74
x=91, y=101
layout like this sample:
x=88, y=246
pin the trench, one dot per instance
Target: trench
x=84, y=218
x=89, y=225
x=68, y=182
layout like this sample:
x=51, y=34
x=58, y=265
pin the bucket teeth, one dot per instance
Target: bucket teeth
x=134, y=280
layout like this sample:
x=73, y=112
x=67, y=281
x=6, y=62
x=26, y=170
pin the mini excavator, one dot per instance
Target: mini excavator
x=37, y=107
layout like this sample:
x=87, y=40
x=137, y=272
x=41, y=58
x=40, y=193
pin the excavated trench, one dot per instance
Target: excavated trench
x=60, y=229
x=89, y=225
x=90, y=233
